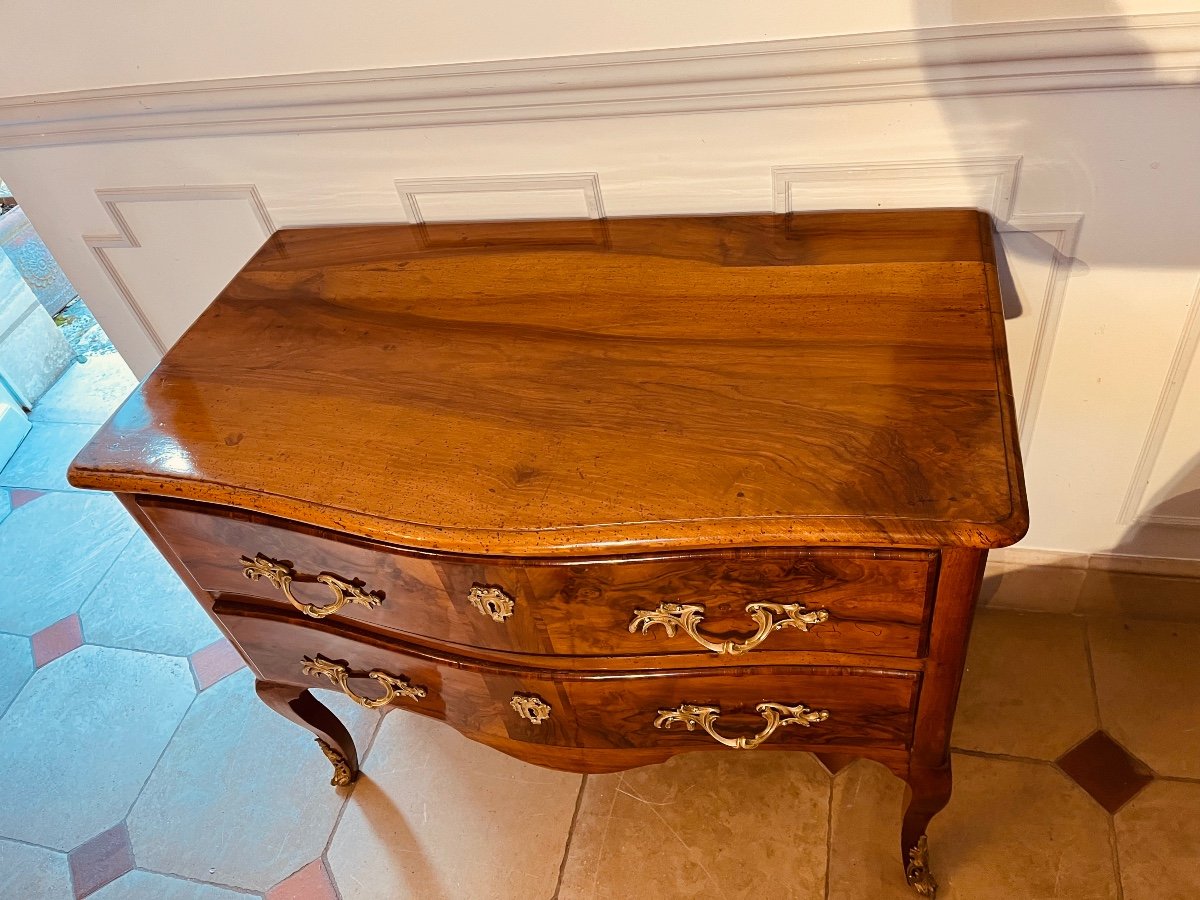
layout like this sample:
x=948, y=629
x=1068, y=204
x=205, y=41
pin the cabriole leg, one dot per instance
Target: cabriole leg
x=300, y=706
x=928, y=792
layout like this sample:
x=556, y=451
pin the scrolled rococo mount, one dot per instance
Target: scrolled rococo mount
x=618, y=490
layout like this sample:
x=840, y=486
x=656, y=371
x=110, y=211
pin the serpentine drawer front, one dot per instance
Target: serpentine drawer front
x=591, y=710
x=807, y=600
x=595, y=496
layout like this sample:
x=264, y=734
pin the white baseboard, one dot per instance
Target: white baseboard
x=1096, y=584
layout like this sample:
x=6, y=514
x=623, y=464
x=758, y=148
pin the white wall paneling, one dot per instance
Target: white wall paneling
x=983, y=183
x=1079, y=135
x=176, y=282
x=499, y=197
x=1165, y=488
x=1093, y=53
x=1039, y=250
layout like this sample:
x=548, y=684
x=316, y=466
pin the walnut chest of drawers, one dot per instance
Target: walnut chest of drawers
x=597, y=493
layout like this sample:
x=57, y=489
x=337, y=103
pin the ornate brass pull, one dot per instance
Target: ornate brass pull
x=491, y=601
x=689, y=616
x=393, y=685
x=281, y=576
x=776, y=714
x=531, y=707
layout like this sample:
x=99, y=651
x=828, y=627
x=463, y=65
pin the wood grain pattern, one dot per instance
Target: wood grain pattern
x=686, y=383
x=613, y=710
x=597, y=418
x=877, y=599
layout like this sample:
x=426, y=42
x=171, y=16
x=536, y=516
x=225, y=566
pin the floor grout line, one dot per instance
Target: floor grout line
x=15, y=840
x=250, y=892
x=1116, y=856
x=829, y=836
x=1181, y=779
x=1007, y=757
x=562, y=865
x=1087, y=646
x=153, y=769
x=337, y=820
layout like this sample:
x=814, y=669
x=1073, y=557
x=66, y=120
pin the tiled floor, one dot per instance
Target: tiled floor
x=137, y=762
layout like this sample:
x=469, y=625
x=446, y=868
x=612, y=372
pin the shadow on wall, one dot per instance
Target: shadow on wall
x=1111, y=171
x=991, y=124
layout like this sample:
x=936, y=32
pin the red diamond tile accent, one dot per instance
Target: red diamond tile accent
x=212, y=663
x=96, y=862
x=57, y=640
x=310, y=883
x=21, y=496
x=1104, y=769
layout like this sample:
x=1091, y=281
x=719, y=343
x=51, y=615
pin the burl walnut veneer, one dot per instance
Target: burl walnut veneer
x=597, y=493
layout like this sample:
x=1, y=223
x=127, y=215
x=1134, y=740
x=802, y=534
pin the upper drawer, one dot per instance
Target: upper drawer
x=723, y=602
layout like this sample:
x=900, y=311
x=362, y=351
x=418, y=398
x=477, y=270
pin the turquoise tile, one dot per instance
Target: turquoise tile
x=5, y=504
x=16, y=665
x=33, y=873
x=53, y=551
x=235, y=772
x=141, y=604
x=139, y=885
x=88, y=392
x=80, y=741
x=42, y=459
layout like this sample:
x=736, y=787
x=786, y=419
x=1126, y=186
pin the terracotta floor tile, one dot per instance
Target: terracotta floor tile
x=27, y=871
x=100, y=860
x=1027, y=690
x=82, y=737
x=20, y=496
x=212, y=663
x=1148, y=685
x=1141, y=596
x=1158, y=842
x=55, y=550
x=241, y=796
x=709, y=824
x=1012, y=830
x=435, y=816
x=16, y=665
x=1105, y=770
x=1045, y=589
x=311, y=883
x=115, y=614
x=57, y=640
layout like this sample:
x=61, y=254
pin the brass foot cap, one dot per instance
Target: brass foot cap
x=917, y=873
x=342, y=776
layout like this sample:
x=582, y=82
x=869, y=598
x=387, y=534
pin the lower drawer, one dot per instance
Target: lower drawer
x=741, y=707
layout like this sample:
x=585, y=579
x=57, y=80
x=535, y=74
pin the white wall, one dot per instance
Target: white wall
x=73, y=45
x=152, y=199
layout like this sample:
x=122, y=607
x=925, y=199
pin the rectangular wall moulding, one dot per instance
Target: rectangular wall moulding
x=980, y=183
x=501, y=197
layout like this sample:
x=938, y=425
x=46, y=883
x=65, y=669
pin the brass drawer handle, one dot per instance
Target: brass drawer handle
x=776, y=714
x=281, y=576
x=531, y=707
x=689, y=616
x=491, y=601
x=393, y=685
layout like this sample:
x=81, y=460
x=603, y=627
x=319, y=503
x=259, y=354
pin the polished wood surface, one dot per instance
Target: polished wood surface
x=876, y=599
x=868, y=708
x=587, y=420
x=689, y=382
